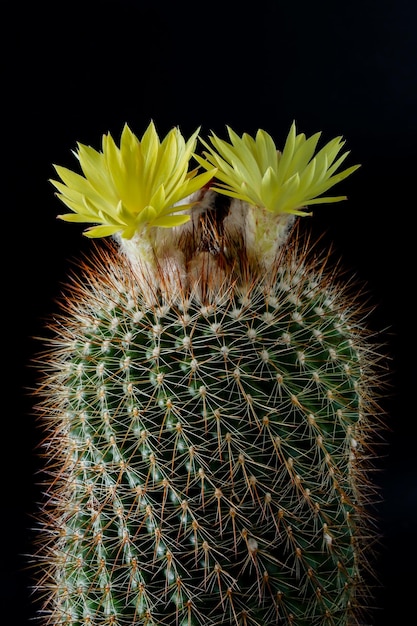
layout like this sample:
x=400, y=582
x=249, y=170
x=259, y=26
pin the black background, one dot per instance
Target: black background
x=75, y=70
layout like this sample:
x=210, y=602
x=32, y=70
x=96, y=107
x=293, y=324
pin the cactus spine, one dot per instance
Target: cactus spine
x=209, y=399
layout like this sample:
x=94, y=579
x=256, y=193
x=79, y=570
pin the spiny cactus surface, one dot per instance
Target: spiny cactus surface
x=209, y=422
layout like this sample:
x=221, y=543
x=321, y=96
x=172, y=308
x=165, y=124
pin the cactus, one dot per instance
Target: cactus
x=209, y=394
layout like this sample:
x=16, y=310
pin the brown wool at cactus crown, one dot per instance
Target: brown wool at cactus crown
x=209, y=392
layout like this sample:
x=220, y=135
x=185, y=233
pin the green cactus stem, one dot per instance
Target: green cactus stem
x=209, y=398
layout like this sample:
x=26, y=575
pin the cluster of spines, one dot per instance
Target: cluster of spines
x=208, y=452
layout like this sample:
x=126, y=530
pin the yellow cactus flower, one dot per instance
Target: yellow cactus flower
x=253, y=170
x=125, y=189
